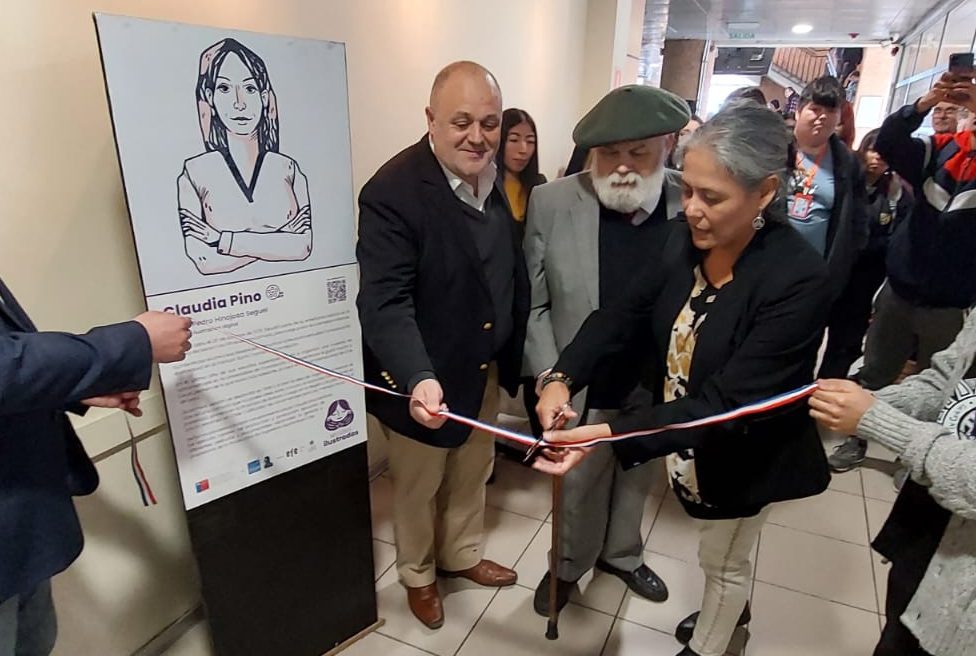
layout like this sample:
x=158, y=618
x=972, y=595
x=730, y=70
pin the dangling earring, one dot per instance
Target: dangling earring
x=759, y=222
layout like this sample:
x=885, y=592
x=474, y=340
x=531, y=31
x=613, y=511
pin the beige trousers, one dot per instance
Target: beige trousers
x=439, y=499
x=724, y=552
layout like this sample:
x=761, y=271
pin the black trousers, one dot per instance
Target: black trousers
x=850, y=316
x=909, y=538
x=896, y=640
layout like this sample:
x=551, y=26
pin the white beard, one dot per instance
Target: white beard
x=627, y=193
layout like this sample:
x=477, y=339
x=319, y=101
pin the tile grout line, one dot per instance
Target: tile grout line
x=819, y=535
x=388, y=567
x=514, y=512
x=478, y=621
x=606, y=641
x=498, y=590
x=403, y=642
x=813, y=596
x=874, y=573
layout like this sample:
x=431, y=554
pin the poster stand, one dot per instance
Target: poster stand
x=286, y=567
x=283, y=537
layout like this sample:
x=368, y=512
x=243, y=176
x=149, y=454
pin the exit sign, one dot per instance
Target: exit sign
x=742, y=30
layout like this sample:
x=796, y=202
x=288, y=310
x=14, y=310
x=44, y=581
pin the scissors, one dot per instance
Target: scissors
x=535, y=446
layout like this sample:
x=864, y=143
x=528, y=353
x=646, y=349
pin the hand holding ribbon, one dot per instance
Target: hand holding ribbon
x=560, y=455
x=838, y=405
x=433, y=398
x=125, y=401
x=427, y=405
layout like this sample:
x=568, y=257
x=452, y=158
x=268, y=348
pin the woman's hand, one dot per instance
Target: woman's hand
x=553, y=408
x=557, y=462
x=562, y=455
x=839, y=405
x=576, y=435
x=194, y=226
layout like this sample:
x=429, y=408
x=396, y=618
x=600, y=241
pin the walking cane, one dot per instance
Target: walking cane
x=552, y=628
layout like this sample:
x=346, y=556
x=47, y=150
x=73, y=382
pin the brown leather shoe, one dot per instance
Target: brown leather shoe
x=425, y=604
x=487, y=573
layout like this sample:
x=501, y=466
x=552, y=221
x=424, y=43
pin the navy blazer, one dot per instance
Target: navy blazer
x=42, y=461
x=424, y=302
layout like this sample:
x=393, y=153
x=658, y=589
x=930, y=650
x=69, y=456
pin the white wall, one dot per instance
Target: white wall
x=66, y=249
x=877, y=74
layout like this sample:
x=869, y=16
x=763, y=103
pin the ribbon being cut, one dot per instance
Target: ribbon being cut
x=532, y=443
x=760, y=407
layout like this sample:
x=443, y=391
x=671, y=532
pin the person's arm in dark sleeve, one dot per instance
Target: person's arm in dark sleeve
x=387, y=252
x=862, y=227
x=774, y=354
x=55, y=371
x=908, y=156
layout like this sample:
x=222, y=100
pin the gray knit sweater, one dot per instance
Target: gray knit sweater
x=942, y=614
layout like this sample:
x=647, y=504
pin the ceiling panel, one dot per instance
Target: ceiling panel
x=832, y=20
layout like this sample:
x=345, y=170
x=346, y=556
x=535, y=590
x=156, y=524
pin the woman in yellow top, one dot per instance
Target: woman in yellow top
x=518, y=160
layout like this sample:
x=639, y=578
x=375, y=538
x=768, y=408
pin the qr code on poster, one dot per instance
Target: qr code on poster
x=337, y=290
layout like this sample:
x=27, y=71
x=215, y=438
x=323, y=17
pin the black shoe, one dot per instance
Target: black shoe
x=540, y=602
x=642, y=581
x=686, y=627
x=848, y=455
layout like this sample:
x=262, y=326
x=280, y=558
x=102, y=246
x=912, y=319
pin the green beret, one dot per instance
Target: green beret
x=630, y=113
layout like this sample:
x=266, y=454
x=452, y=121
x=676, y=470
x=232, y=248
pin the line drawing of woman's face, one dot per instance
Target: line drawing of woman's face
x=236, y=98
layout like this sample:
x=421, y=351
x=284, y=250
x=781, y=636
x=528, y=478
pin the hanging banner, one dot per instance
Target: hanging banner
x=235, y=157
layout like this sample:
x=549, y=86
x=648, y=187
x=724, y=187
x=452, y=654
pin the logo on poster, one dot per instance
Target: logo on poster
x=273, y=292
x=203, y=486
x=254, y=467
x=340, y=415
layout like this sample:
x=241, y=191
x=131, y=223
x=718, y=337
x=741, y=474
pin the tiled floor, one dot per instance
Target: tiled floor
x=818, y=587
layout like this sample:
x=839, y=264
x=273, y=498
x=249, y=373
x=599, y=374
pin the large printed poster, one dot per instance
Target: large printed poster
x=235, y=158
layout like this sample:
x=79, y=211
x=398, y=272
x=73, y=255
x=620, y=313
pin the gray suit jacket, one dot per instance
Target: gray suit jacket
x=562, y=251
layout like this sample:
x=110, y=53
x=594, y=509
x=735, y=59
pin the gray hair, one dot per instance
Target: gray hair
x=751, y=142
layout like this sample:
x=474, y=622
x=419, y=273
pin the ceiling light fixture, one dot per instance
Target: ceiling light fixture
x=802, y=28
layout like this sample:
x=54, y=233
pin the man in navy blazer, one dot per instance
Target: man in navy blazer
x=42, y=461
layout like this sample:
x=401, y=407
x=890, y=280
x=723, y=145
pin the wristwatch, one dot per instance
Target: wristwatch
x=557, y=377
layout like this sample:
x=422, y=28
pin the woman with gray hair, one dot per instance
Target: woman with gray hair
x=735, y=312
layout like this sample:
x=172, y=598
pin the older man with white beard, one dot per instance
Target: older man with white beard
x=586, y=235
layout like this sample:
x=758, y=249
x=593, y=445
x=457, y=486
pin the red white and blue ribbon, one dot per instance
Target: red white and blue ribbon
x=142, y=482
x=760, y=407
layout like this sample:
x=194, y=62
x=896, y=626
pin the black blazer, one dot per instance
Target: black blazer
x=760, y=339
x=848, y=231
x=42, y=461
x=423, y=301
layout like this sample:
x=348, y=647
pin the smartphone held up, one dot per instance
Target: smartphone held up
x=962, y=68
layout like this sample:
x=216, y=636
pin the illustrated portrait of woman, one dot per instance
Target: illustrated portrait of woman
x=241, y=200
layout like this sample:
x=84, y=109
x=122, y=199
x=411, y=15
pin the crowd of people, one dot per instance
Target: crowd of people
x=625, y=296
x=652, y=296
